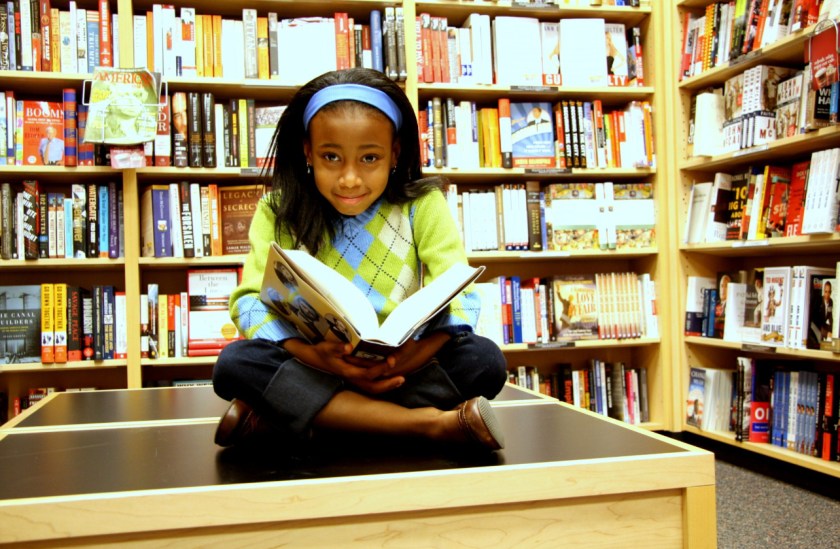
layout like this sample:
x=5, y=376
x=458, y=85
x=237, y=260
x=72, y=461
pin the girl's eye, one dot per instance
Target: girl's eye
x=330, y=157
x=370, y=158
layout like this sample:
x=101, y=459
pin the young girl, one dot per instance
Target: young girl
x=348, y=188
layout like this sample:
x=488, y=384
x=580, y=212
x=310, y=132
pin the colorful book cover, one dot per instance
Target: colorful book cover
x=20, y=324
x=532, y=132
x=209, y=290
x=266, y=123
x=694, y=401
x=575, y=308
x=571, y=213
x=236, y=208
x=775, y=298
x=42, y=127
x=123, y=106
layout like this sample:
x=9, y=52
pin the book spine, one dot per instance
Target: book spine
x=196, y=214
x=151, y=305
x=70, y=123
x=103, y=206
x=120, y=326
x=376, y=48
x=74, y=324
x=60, y=324
x=195, y=152
x=171, y=339
x=113, y=221
x=180, y=124
x=106, y=56
x=162, y=327
x=43, y=230
x=208, y=130
x=92, y=220
x=186, y=219
x=30, y=198
x=47, y=323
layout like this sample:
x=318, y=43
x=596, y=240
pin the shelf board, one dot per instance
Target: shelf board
x=52, y=368
x=786, y=244
x=191, y=262
x=491, y=92
x=93, y=263
x=288, y=8
x=502, y=256
x=831, y=468
x=803, y=354
x=457, y=12
x=786, y=147
x=788, y=51
x=58, y=174
x=493, y=175
x=179, y=361
x=587, y=344
x=29, y=83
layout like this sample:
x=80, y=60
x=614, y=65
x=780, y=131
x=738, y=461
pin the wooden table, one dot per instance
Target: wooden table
x=140, y=466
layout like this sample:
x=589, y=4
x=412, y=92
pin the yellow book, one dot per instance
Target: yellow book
x=163, y=326
x=199, y=45
x=47, y=325
x=209, y=53
x=494, y=137
x=55, y=40
x=60, y=322
x=150, y=39
x=243, y=133
x=218, y=71
x=262, y=48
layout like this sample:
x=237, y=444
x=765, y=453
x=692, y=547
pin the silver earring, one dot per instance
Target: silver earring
x=308, y=169
x=394, y=170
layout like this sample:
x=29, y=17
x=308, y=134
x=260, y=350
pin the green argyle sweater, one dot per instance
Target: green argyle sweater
x=380, y=251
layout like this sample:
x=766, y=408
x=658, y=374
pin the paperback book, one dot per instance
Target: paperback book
x=123, y=106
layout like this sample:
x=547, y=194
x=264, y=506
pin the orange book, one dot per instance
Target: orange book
x=199, y=45
x=45, y=17
x=150, y=39
x=47, y=325
x=209, y=51
x=55, y=40
x=60, y=322
x=608, y=140
x=647, y=112
x=43, y=130
x=215, y=229
x=106, y=52
x=218, y=71
x=426, y=39
x=262, y=48
x=342, y=41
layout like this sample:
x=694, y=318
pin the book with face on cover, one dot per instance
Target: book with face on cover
x=322, y=304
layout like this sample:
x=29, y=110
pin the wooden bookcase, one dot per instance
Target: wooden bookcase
x=708, y=259
x=132, y=273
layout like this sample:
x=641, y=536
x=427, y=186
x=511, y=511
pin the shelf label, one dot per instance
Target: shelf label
x=250, y=172
x=751, y=243
x=552, y=345
x=548, y=171
x=755, y=348
x=534, y=88
x=751, y=150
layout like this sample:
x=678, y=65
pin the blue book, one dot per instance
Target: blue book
x=104, y=219
x=113, y=222
x=516, y=308
x=532, y=134
x=68, y=228
x=108, y=322
x=376, y=40
x=161, y=220
x=92, y=45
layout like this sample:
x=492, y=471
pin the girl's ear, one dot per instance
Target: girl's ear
x=395, y=151
x=307, y=151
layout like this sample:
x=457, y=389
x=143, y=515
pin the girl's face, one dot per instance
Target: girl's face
x=352, y=152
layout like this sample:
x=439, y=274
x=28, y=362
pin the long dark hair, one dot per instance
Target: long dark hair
x=295, y=199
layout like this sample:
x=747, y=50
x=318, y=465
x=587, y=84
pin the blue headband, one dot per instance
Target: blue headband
x=353, y=92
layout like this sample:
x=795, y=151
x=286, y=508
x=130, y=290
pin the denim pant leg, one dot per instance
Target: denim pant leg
x=467, y=366
x=267, y=377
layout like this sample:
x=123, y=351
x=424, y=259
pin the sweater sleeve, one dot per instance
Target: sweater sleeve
x=438, y=248
x=250, y=315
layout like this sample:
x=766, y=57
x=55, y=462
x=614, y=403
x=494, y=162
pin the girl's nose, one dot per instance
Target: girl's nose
x=349, y=178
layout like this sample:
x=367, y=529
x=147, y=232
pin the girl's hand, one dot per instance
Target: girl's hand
x=331, y=357
x=414, y=354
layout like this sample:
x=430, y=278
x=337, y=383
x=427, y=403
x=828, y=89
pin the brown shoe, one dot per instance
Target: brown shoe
x=479, y=423
x=239, y=423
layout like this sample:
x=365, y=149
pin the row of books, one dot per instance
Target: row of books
x=766, y=201
x=45, y=133
x=195, y=322
x=536, y=134
x=60, y=323
x=556, y=217
x=765, y=401
x=265, y=47
x=38, y=223
x=608, y=388
x=37, y=37
x=194, y=220
x=568, y=308
x=524, y=51
x=758, y=106
x=779, y=306
x=726, y=30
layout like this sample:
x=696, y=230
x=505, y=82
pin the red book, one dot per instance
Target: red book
x=43, y=124
x=796, y=198
x=106, y=55
x=210, y=326
x=70, y=130
x=828, y=429
x=170, y=323
x=342, y=41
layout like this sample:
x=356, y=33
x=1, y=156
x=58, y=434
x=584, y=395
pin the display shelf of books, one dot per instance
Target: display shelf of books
x=527, y=80
x=757, y=251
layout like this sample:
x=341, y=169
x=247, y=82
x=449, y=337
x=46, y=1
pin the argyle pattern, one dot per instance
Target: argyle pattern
x=378, y=250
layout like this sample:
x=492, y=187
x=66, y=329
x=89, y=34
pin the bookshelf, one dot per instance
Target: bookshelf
x=707, y=259
x=132, y=272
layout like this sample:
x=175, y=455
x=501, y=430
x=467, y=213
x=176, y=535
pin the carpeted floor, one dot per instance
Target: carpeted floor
x=757, y=511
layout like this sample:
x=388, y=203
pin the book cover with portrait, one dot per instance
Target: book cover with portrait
x=42, y=131
x=532, y=134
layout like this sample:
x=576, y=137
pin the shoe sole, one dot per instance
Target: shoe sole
x=490, y=420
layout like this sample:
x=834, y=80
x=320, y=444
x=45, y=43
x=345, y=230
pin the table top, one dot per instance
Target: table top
x=115, y=441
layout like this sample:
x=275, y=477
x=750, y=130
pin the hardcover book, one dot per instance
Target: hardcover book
x=532, y=133
x=266, y=118
x=775, y=299
x=236, y=208
x=694, y=402
x=322, y=304
x=575, y=307
x=43, y=128
x=210, y=326
x=20, y=324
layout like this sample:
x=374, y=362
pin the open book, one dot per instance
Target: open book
x=322, y=304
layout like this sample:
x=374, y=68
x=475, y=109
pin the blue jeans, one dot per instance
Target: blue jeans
x=291, y=394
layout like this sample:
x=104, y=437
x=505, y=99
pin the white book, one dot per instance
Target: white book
x=480, y=47
x=120, y=326
x=755, y=206
x=617, y=65
x=176, y=231
x=583, y=66
x=699, y=202
x=708, y=123
x=529, y=326
x=249, y=25
x=314, y=35
x=800, y=306
x=186, y=45
x=233, y=62
x=157, y=37
x=219, y=111
x=3, y=129
x=169, y=24
x=775, y=301
x=25, y=15
x=81, y=42
x=67, y=48
x=465, y=48
x=734, y=311
x=516, y=51
x=195, y=207
x=821, y=207
x=550, y=42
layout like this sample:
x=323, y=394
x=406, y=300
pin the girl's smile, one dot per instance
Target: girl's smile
x=352, y=151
